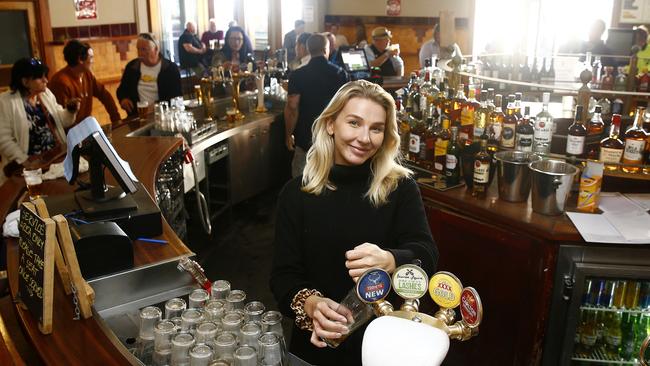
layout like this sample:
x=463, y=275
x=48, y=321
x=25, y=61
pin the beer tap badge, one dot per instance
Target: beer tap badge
x=471, y=308
x=445, y=289
x=373, y=285
x=410, y=281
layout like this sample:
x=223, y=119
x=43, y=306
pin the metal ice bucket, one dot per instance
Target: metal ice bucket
x=513, y=174
x=552, y=180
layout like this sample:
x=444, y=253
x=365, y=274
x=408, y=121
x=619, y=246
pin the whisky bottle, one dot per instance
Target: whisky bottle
x=481, y=117
x=404, y=127
x=525, y=132
x=495, y=124
x=575, y=141
x=596, y=126
x=468, y=116
x=417, y=142
x=611, y=147
x=457, y=105
x=482, y=161
x=428, y=92
x=509, y=124
x=543, y=128
x=440, y=152
x=429, y=143
x=635, y=140
x=518, y=97
x=452, y=161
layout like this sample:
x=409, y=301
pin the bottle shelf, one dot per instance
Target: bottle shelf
x=600, y=356
x=613, y=309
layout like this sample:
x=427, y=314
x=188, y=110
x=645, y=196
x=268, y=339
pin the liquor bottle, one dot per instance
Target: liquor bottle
x=596, y=126
x=481, y=117
x=543, y=127
x=413, y=102
x=404, y=127
x=534, y=75
x=596, y=73
x=448, y=105
x=525, y=132
x=428, y=92
x=518, y=97
x=643, y=81
x=430, y=142
x=467, y=115
x=417, y=139
x=620, y=82
x=452, y=162
x=550, y=75
x=543, y=77
x=575, y=143
x=197, y=272
x=613, y=335
x=457, y=105
x=495, y=123
x=611, y=147
x=440, y=152
x=525, y=71
x=509, y=124
x=635, y=140
x=607, y=82
x=482, y=161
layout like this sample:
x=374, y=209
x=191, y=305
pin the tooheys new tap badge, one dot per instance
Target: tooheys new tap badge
x=373, y=285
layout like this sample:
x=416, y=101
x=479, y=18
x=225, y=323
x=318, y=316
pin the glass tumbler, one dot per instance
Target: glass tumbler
x=181, y=345
x=200, y=355
x=245, y=356
x=220, y=289
x=224, y=346
x=198, y=298
x=235, y=299
x=190, y=319
x=206, y=332
x=174, y=307
x=253, y=311
x=163, y=333
x=270, y=350
x=232, y=321
x=214, y=310
x=272, y=322
x=149, y=316
x=249, y=334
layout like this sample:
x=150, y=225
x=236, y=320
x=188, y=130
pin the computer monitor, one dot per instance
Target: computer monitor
x=620, y=41
x=354, y=60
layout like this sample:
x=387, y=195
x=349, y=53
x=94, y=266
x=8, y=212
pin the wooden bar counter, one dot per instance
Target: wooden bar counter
x=88, y=342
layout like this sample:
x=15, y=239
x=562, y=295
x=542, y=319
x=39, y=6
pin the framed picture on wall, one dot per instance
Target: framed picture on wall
x=85, y=9
x=393, y=7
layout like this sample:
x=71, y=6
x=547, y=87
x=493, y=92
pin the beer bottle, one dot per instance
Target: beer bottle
x=613, y=334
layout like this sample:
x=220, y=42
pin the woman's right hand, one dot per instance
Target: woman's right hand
x=328, y=323
x=127, y=104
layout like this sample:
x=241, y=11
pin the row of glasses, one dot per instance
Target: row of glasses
x=212, y=329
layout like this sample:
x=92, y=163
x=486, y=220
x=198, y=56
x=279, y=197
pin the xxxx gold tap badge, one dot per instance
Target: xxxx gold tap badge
x=471, y=308
x=445, y=289
x=410, y=281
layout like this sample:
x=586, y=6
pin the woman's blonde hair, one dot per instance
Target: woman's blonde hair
x=385, y=164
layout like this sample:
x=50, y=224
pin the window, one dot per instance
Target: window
x=175, y=13
x=256, y=15
x=224, y=13
x=291, y=11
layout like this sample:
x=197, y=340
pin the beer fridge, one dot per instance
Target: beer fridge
x=600, y=308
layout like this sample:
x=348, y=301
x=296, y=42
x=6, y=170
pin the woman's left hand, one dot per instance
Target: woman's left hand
x=366, y=256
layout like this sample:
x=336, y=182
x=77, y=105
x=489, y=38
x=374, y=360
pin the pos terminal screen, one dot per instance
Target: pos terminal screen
x=355, y=60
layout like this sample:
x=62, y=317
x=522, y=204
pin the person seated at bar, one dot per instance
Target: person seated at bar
x=354, y=208
x=335, y=56
x=641, y=49
x=32, y=123
x=191, y=50
x=302, y=53
x=431, y=47
x=76, y=81
x=310, y=89
x=150, y=77
x=381, y=54
x=238, y=50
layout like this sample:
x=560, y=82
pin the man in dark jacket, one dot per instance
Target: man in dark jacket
x=150, y=77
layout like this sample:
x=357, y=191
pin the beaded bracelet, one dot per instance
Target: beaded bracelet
x=303, y=321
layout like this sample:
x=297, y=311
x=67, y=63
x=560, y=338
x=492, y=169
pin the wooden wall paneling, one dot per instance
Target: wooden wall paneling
x=512, y=273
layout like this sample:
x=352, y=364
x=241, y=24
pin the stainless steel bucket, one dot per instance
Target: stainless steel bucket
x=514, y=175
x=552, y=180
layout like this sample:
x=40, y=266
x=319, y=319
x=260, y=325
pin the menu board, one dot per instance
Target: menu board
x=36, y=265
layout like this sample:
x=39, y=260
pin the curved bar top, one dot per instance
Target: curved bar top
x=86, y=341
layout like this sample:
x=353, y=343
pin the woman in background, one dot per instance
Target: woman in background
x=32, y=123
x=237, y=50
x=354, y=208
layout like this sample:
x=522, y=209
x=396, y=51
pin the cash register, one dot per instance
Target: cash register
x=356, y=64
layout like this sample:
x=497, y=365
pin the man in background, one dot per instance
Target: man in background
x=302, y=54
x=191, y=50
x=76, y=81
x=381, y=55
x=341, y=39
x=290, y=40
x=430, y=47
x=641, y=49
x=310, y=89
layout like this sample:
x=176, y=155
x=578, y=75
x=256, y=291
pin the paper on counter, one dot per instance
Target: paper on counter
x=641, y=199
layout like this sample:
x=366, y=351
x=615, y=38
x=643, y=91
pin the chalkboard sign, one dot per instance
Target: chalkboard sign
x=14, y=36
x=36, y=265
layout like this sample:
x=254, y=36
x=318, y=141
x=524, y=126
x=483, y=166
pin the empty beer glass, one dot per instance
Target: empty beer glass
x=206, y=332
x=181, y=345
x=272, y=322
x=163, y=333
x=224, y=346
x=245, y=356
x=220, y=289
x=200, y=355
x=198, y=298
x=149, y=316
x=249, y=333
x=174, y=307
x=190, y=319
x=270, y=350
x=232, y=321
x=253, y=311
x=236, y=299
x=214, y=310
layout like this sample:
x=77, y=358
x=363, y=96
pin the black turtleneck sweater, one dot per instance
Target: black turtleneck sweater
x=312, y=234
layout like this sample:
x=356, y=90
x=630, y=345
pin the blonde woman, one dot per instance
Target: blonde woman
x=355, y=207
